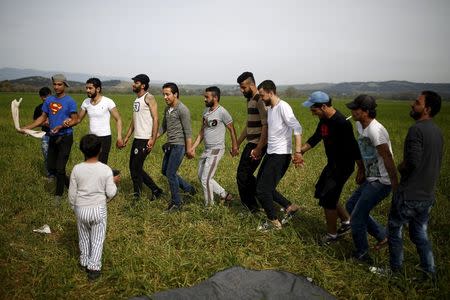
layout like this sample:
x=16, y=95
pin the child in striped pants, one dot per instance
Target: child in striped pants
x=91, y=184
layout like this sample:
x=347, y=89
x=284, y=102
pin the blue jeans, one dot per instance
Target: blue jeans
x=359, y=205
x=173, y=156
x=416, y=214
x=44, y=147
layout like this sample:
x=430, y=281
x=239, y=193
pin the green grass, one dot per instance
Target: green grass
x=148, y=251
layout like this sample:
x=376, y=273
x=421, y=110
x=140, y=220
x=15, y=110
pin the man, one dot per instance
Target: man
x=177, y=124
x=379, y=178
x=419, y=170
x=61, y=111
x=255, y=132
x=144, y=124
x=99, y=109
x=44, y=93
x=281, y=124
x=215, y=120
x=342, y=151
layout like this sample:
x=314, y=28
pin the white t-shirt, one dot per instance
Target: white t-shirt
x=99, y=115
x=281, y=121
x=369, y=138
x=91, y=184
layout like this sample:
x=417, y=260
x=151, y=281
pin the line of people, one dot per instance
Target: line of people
x=269, y=128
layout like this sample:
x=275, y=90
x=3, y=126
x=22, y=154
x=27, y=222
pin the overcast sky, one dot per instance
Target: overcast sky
x=209, y=42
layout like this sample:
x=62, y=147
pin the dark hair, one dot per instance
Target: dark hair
x=90, y=145
x=244, y=76
x=214, y=90
x=319, y=105
x=268, y=86
x=44, y=92
x=173, y=88
x=95, y=82
x=433, y=101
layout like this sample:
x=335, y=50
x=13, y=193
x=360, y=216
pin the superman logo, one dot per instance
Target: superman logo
x=55, y=107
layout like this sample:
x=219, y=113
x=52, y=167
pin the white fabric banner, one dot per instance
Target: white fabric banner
x=15, y=115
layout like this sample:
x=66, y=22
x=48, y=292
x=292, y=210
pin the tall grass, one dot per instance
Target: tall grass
x=148, y=251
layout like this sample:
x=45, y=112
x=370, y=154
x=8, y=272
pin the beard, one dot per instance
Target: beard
x=92, y=95
x=415, y=115
x=248, y=95
x=136, y=90
x=209, y=104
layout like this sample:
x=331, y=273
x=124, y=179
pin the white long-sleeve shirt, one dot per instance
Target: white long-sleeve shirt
x=91, y=184
x=281, y=121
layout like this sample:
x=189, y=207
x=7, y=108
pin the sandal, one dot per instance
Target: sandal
x=381, y=244
x=228, y=198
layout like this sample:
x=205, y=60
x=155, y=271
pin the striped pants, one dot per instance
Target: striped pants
x=207, y=167
x=91, y=223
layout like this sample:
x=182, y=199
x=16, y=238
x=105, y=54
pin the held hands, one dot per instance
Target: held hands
x=150, y=144
x=190, y=153
x=255, y=154
x=119, y=144
x=116, y=179
x=297, y=160
x=234, y=151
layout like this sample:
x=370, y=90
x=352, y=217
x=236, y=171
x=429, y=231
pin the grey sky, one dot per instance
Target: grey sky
x=211, y=42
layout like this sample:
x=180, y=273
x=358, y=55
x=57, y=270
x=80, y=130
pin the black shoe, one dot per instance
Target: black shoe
x=93, y=274
x=362, y=258
x=344, y=229
x=156, y=194
x=82, y=268
x=173, y=208
x=193, y=191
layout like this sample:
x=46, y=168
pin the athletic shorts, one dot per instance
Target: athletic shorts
x=330, y=184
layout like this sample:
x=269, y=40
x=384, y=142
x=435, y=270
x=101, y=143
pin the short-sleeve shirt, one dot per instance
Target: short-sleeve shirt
x=58, y=110
x=99, y=115
x=256, y=118
x=214, y=123
x=369, y=138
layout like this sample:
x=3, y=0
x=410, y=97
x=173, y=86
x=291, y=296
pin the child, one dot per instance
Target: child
x=91, y=184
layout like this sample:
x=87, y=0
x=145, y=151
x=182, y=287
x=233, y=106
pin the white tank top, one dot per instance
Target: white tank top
x=143, y=120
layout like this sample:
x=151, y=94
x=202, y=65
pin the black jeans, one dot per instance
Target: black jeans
x=138, y=175
x=246, y=181
x=106, y=146
x=58, y=155
x=272, y=169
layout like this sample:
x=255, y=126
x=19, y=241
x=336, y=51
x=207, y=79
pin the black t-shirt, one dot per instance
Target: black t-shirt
x=340, y=144
x=37, y=113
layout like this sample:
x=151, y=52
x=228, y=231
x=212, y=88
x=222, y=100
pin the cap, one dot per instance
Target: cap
x=316, y=98
x=364, y=102
x=60, y=77
x=142, y=78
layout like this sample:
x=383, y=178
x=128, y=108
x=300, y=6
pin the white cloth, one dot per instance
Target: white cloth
x=281, y=122
x=99, y=115
x=91, y=184
x=369, y=138
x=207, y=166
x=15, y=115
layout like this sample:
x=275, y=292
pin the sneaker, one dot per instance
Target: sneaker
x=93, y=274
x=344, y=229
x=362, y=258
x=173, y=208
x=269, y=225
x=156, y=194
x=289, y=213
x=328, y=239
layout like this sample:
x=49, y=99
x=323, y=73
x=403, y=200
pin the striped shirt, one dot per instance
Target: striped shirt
x=256, y=118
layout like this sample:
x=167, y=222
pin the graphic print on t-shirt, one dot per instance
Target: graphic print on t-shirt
x=136, y=106
x=369, y=156
x=210, y=123
x=55, y=107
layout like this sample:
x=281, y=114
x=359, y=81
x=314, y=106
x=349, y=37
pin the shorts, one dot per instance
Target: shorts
x=330, y=184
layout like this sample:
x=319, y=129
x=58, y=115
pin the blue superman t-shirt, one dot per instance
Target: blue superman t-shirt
x=58, y=110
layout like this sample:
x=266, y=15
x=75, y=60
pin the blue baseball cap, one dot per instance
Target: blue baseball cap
x=316, y=98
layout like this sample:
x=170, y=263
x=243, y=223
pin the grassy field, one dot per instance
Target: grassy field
x=148, y=251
